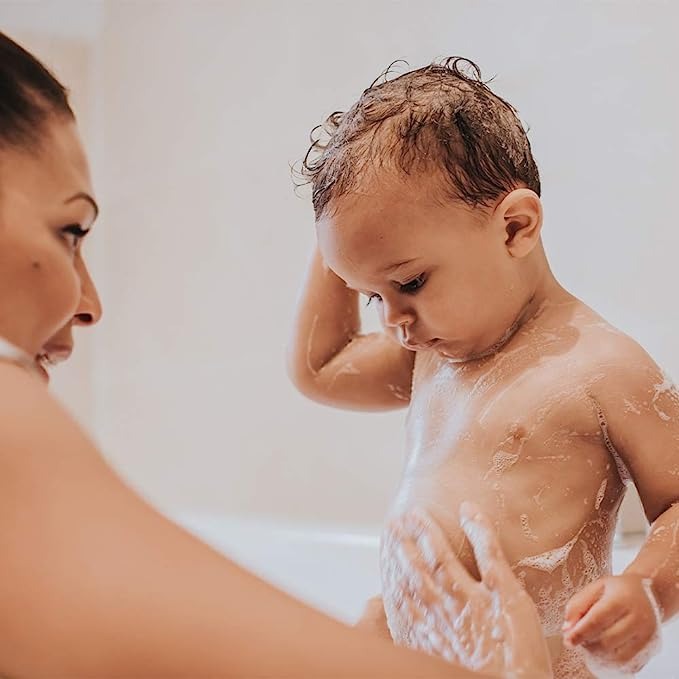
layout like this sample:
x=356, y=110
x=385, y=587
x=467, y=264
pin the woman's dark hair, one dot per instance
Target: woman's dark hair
x=442, y=119
x=29, y=95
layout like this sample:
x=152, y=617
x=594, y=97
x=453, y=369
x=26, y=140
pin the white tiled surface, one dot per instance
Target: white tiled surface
x=336, y=569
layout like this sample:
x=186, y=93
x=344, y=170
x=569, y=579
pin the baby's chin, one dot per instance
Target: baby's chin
x=454, y=353
x=460, y=354
x=458, y=360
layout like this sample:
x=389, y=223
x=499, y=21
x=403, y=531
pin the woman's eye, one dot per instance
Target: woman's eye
x=73, y=234
x=371, y=297
x=412, y=286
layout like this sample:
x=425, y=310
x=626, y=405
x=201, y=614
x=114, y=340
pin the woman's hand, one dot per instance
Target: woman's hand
x=374, y=619
x=489, y=626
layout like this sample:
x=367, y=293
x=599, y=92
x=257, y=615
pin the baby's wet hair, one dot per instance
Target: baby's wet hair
x=29, y=96
x=442, y=119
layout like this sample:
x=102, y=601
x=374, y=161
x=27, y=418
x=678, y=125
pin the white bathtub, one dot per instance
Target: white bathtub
x=335, y=568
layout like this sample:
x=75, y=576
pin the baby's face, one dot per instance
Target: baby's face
x=441, y=275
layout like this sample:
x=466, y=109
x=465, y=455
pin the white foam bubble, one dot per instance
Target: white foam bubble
x=550, y=560
x=600, y=494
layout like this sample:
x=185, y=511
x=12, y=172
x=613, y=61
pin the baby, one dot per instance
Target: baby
x=521, y=398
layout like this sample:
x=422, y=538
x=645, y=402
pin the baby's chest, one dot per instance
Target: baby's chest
x=501, y=428
x=453, y=410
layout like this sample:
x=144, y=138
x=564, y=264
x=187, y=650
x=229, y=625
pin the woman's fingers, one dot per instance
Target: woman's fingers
x=487, y=550
x=425, y=583
x=437, y=553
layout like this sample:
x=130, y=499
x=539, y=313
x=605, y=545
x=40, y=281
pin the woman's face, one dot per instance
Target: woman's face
x=46, y=207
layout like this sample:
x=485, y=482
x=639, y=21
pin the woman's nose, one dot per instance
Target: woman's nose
x=89, y=310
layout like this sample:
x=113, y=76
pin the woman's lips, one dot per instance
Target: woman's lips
x=51, y=356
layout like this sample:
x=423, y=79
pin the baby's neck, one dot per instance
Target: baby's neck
x=547, y=294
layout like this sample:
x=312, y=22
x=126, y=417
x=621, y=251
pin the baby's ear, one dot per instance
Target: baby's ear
x=521, y=215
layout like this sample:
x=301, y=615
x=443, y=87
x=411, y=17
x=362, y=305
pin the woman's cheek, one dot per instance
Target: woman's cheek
x=60, y=287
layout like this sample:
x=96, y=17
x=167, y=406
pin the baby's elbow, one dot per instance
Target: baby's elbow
x=303, y=377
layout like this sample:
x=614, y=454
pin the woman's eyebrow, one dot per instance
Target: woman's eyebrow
x=84, y=196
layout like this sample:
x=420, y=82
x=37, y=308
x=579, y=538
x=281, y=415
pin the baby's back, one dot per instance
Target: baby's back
x=523, y=436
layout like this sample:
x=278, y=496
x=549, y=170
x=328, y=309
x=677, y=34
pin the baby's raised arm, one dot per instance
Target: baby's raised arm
x=330, y=361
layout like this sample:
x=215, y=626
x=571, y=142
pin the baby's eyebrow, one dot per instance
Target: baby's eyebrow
x=360, y=291
x=393, y=267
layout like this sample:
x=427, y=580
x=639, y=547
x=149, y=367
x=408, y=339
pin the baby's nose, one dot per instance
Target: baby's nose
x=396, y=317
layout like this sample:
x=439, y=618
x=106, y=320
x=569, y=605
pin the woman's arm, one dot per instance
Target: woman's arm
x=96, y=583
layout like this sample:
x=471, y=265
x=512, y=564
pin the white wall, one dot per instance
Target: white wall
x=202, y=106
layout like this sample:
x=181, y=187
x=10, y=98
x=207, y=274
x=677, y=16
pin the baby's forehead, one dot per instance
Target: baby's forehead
x=387, y=205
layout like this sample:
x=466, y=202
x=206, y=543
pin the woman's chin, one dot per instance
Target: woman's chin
x=42, y=371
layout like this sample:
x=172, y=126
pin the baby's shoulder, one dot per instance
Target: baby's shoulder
x=601, y=343
x=608, y=357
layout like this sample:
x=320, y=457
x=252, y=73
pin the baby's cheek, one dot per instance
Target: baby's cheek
x=391, y=332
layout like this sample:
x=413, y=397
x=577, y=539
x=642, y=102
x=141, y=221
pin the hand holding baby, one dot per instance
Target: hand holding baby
x=490, y=626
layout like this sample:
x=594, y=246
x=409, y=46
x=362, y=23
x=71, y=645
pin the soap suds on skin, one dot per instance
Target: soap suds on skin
x=600, y=494
x=525, y=527
x=549, y=561
x=502, y=462
x=623, y=472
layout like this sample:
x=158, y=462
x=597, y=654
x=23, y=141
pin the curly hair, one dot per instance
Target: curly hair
x=442, y=118
x=29, y=94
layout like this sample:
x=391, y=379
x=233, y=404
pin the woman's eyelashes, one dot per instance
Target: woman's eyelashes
x=73, y=234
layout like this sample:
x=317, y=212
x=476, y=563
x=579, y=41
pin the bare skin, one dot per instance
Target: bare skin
x=93, y=581
x=449, y=613
x=520, y=397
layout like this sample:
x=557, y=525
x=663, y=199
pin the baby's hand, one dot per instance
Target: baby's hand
x=616, y=619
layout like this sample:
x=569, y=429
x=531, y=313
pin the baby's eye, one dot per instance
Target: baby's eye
x=412, y=286
x=73, y=234
x=371, y=297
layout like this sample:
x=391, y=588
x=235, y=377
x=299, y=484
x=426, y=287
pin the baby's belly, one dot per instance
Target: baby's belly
x=554, y=552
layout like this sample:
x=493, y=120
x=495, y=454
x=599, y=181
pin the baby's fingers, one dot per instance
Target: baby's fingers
x=622, y=650
x=596, y=621
x=581, y=602
x=626, y=640
x=615, y=636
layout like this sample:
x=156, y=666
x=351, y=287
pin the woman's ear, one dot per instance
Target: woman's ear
x=520, y=213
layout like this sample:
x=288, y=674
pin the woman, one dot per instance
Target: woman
x=96, y=583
